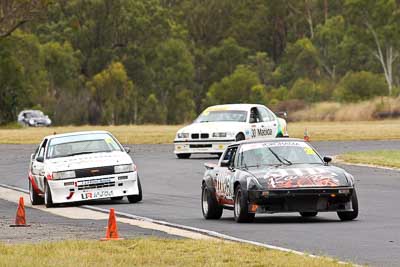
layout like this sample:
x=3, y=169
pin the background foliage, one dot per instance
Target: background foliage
x=163, y=61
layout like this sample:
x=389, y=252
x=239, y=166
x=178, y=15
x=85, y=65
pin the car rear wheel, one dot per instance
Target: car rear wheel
x=48, y=200
x=308, y=214
x=241, y=207
x=350, y=215
x=139, y=197
x=35, y=198
x=183, y=155
x=209, y=205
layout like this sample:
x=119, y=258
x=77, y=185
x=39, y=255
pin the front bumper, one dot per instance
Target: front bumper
x=97, y=187
x=301, y=200
x=201, y=146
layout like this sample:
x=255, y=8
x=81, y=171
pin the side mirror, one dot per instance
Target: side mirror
x=40, y=159
x=32, y=156
x=225, y=163
x=282, y=114
x=327, y=159
x=127, y=150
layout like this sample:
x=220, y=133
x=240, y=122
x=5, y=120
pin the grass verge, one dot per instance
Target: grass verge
x=163, y=134
x=150, y=252
x=386, y=158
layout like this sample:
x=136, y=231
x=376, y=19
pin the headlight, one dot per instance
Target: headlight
x=253, y=184
x=31, y=121
x=124, y=168
x=64, y=175
x=183, y=135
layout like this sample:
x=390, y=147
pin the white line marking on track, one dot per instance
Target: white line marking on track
x=90, y=212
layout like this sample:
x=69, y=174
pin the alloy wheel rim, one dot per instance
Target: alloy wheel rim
x=204, y=201
x=237, y=204
x=30, y=191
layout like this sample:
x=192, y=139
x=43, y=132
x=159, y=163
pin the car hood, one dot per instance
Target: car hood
x=88, y=161
x=211, y=127
x=299, y=176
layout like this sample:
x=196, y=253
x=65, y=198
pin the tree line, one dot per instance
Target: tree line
x=163, y=61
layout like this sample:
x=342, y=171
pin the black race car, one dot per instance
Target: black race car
x=275, y=175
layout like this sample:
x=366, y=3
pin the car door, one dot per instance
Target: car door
x=37, y=166
x=269, y=123
x=225, y=175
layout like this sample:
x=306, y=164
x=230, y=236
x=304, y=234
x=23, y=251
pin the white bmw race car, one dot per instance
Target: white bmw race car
x=82, y=166
x=219, y=126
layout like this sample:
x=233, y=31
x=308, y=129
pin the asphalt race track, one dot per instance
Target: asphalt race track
x=172, y=193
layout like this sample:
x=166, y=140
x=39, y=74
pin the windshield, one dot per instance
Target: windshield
x=34, y=114
x=222, y=115
x=277, y=153
x=81, y=144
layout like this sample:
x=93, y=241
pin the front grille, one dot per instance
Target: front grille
x=200, y=145
x=195, y=136
x=90, y=172
x=94, y=184
x=204, y=135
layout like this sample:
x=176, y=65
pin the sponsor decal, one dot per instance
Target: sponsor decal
x=264, y=132
x=97, y=194
x=295, y=178
x=94, y=181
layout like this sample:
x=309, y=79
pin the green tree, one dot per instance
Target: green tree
x=376, y=24
x=112, y=93
x=153, y=112
x=356, y=86
x=235, y=88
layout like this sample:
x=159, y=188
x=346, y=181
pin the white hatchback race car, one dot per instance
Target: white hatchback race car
x=82, y=166
x=218, y=126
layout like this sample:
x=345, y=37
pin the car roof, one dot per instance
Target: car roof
x=75, y=133
x=31, y=110
x=234, y=106
x=264, y=140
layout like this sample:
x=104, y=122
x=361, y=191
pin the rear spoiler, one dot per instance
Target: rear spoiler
x=210, y=166
x=282, y=114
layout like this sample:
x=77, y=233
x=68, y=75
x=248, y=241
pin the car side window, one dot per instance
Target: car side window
x=255, y=116
x=266, y=115
x=42, y=149
x=230, y=155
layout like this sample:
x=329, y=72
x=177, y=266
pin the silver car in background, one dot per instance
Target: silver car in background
x=33, y=118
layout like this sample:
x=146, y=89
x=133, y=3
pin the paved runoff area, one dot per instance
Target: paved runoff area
x=172, y=193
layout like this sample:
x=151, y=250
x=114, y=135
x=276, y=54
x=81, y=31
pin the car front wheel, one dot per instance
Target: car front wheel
x=350, y=215
x=35, y=198
x=308, y=214
x=209, y=205
x=48, y=200
x=139, y=197
x=241, y=207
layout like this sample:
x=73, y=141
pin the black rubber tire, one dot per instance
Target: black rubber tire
x=48, y=200
x=136, y=198
x=240, y=137
x=308, y=214
x=34, y=197
x=117, y=198
x=350, y=215
x=214, y=210
x=183, y=155
x=241, y=207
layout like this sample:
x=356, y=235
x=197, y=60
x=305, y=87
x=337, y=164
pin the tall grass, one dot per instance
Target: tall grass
x=361, y=111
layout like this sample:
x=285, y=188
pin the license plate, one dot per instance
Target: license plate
x=97, y=194
x=94, y=181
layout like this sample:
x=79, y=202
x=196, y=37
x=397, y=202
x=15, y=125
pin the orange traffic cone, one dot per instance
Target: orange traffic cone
x=306, y=137
x=20, y=220
x=112, y=229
